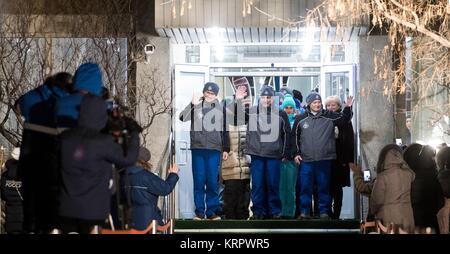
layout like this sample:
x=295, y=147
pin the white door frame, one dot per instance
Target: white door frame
x=350, y=68
x=348, y=192
x=183, y=146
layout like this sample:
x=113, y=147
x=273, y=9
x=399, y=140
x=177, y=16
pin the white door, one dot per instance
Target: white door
x=339, y=80
x=189, y=79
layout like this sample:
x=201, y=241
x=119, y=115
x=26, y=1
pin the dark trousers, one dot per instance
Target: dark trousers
x=336, y=196
x=39, y=169
x=236, y=199
x=319, y=171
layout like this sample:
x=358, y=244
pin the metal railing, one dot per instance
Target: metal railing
x=168, y=203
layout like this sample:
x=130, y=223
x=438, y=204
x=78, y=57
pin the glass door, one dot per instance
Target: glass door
x=338, y=80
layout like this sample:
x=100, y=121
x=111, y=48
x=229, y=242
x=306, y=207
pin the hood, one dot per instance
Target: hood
x=443, y=158
x=394, y=159
x=420, y=158
x=93, y=113
x=88, y=77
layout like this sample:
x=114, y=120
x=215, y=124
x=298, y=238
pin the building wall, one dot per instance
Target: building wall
x=376, y=118
x=376, y=115
x=228, y=13
x=159, y=61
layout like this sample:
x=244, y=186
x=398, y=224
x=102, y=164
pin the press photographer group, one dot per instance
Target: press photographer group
x=75, y=140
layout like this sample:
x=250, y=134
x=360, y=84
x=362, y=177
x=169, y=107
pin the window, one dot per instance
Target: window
x=337, y=53
x=192, y=54
x=337, y=83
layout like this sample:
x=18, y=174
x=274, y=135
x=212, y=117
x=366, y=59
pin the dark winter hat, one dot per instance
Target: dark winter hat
x=443, y=159
x=312, y=97
x=211, y=87
x=267, y=91
x=144, y=154
x=297, y=95
x=63, y=80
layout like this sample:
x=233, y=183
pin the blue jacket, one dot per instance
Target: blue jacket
x=88, y=77
x=145, y=188
x=38, y=105
x=87, y=156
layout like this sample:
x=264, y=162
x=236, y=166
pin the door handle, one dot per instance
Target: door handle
x=185, y=149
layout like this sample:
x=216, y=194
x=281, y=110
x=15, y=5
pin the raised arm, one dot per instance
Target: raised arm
x=346, y=115
x=360, y=185
x=186, y=114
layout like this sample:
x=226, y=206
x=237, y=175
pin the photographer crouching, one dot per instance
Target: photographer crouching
x=87, y=157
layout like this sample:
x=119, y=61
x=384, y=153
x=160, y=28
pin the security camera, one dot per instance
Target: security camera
x=149, y=49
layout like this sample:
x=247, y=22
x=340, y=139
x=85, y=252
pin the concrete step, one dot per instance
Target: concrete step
x=267, y=226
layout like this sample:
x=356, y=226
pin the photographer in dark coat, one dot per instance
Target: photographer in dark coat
x=426, y=194
x=39, y=156
x=11, y=188
x=443, y=163
x=87, y=158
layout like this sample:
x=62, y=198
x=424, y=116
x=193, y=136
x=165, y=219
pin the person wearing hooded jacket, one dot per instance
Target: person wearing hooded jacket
x=38, y=163
x=145, y=189
x=87, y=157
x=315, y=150
x=87, y=80
x=11, y=189
x=390, y=200
x=443, y=163
x=426, y=193
x=268, y=142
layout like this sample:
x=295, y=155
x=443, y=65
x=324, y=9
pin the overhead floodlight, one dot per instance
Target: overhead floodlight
x=309, y=39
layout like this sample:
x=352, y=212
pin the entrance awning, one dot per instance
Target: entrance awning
x=182, y=35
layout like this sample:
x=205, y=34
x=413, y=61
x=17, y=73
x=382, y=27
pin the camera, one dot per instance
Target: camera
x=120, y=124
x=149, y=49
x=367, y=177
